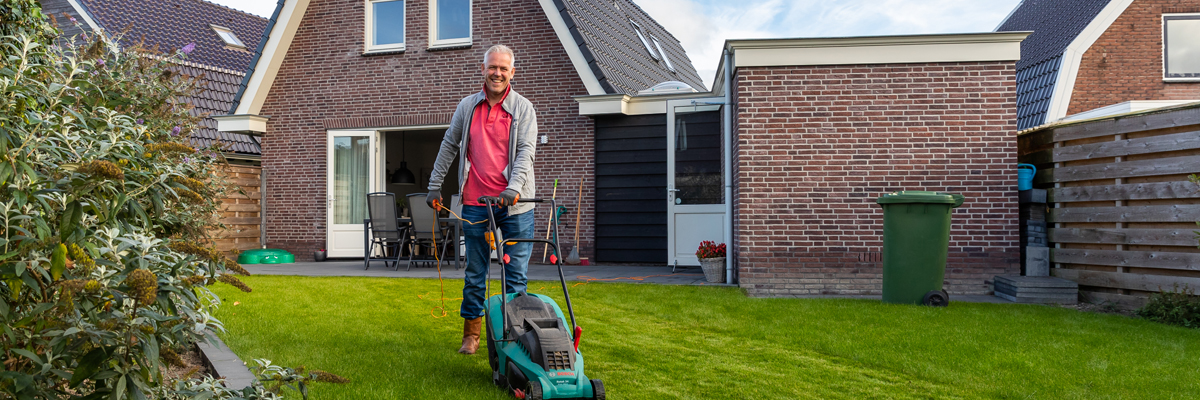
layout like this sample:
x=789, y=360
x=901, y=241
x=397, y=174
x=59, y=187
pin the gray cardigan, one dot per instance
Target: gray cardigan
x=522, y=136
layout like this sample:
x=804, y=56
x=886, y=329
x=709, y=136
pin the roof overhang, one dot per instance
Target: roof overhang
x=248, y=124
x=898, y=49
x=623, y=104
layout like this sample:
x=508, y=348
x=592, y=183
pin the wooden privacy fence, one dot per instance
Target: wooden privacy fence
x=1123, y=210
x=240, y=212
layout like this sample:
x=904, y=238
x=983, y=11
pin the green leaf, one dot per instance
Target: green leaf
x=119, y=391
x=14, y=287
x=20, y=381
x=58, y=261
x=88, y=365
x=70, y=220
x=28, y=354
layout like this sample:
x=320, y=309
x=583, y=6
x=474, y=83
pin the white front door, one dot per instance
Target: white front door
x=352, y=174
x=695, y=178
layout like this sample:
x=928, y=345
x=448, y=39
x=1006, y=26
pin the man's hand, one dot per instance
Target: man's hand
x=509, y=197
x=434, y=199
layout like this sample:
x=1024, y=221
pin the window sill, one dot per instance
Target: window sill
x=382, y=52
x=1181, y=80
x=451, y=46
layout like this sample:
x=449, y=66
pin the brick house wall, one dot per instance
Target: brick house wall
x=326, y=82
x=815, y=146
x=1126, y=62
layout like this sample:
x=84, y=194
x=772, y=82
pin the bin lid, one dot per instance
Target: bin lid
x=920, y=196
x=266, y=256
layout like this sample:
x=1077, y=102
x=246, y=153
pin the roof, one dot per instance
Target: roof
x=614, y=52
x=169, y=25
x=1055, y=25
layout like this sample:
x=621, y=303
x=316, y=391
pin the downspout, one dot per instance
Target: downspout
x=262, y=200
x=728, y=139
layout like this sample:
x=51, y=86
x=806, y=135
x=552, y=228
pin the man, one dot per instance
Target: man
x=493, y=134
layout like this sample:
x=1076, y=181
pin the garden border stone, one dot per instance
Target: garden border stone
x=221, y=362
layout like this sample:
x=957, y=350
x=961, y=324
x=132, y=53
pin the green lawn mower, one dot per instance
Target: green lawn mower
x=530, y=349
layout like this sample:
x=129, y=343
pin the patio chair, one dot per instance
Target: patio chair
x=385, y=230
x=425, y=230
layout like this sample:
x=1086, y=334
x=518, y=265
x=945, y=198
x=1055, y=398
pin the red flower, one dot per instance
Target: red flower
x=709, y=249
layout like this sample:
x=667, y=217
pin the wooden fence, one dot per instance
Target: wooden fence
x=1123, y=210
x=240, y=211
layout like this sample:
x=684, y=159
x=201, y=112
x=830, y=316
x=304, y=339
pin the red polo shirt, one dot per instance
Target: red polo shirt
x=487, y=151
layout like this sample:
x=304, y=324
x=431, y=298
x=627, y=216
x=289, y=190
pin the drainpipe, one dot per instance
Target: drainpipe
x=728, y=139
x=262, y=200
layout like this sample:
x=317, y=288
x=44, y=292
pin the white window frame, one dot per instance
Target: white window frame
x=369, y=31
x=637, y=29
x=238, y=43
x=662, y=53
x=1195, y=16
x=433, y=26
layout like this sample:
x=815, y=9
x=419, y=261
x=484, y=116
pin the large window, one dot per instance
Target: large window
x=1181, y=46
x=449, y=23
x=385, y=25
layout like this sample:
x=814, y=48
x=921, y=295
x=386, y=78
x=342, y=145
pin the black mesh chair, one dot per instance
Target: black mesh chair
x=386, y=231
x=425, y=231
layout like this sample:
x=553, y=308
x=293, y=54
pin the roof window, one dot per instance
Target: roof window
x=228, y=37
x=638, y=29
x=658, y=46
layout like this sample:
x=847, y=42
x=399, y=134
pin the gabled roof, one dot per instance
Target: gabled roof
x=1062, y=31
x=170, y=25
x=598, y=38
x=616, y=55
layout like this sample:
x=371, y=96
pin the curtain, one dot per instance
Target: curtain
x=351, y=158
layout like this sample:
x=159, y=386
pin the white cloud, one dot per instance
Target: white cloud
x=262, y=8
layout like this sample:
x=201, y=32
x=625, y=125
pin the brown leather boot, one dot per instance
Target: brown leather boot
x=471, y=329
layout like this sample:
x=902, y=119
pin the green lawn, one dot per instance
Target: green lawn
x=693, y=342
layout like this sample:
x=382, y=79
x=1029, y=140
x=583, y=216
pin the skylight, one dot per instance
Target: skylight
x=658, y=46
x=228, y=37
x=638, y=29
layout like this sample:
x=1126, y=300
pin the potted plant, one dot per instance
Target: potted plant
x=712, y=260
x=319, y=255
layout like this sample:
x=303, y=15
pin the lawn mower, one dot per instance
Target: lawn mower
x=530, y=349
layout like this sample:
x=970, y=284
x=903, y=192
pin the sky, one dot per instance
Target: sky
x=704, y=25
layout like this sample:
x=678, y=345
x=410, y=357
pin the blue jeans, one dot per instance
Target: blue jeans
x=479, y=255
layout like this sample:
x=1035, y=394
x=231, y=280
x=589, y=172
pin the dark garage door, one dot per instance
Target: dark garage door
x=631, y=189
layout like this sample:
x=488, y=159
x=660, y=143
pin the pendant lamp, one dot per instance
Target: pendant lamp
x=403, y=176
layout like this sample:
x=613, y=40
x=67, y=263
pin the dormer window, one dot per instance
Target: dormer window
x=228, y=37
x=1181, y=47
x=645, y=42
x=385, y=25
x=449, y=23
x=666, y=58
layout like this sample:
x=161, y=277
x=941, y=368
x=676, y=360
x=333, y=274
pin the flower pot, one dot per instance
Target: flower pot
x=714, y=269
x=319, y=255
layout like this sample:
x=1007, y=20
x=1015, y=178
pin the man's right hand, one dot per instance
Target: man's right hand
x=434, y=199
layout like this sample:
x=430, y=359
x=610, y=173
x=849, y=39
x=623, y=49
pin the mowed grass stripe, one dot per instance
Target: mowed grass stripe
x=693, y=342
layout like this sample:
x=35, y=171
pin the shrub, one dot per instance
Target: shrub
x=102, y=201
x=1179, y=306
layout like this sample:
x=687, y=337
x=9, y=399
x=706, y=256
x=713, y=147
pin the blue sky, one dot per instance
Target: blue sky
x=703, y=25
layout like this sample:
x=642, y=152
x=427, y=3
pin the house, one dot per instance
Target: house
x=1085, y=55
x=223, y=40
x=347, y=94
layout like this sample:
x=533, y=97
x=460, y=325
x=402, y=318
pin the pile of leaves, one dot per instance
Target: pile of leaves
x=104, y=205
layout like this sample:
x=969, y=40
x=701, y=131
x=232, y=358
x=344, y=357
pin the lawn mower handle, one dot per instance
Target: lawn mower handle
x=490, y=201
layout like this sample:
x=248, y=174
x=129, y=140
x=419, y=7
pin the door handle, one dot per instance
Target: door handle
x=672, y=190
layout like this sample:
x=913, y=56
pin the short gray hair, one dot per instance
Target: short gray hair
x=502, y=49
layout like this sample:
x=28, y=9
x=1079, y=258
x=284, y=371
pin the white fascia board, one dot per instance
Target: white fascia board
x=718, y=86
x=278, y=43
x=254, y=125
x=603, y=104
x=83, y=14
x=568, y=42
x=900, y=49
x=1064, y=85
x=615, y=104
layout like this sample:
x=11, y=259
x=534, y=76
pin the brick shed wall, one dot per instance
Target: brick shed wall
x=816, y=146
x=325, y=82
x=1126, y=62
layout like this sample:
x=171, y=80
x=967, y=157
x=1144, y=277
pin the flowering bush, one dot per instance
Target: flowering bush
x=710, y=249
x=103, y=201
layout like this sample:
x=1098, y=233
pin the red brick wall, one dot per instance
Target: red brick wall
x=816, y=146
x=326, y=77
x=1126, y=62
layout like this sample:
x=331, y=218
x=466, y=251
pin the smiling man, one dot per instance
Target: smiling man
x=492, y=132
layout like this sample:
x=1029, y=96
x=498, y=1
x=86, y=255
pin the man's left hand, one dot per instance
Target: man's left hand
x=509, y=197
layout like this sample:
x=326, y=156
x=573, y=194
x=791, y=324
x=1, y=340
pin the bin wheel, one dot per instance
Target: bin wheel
x=936, y=298
x=597, y=389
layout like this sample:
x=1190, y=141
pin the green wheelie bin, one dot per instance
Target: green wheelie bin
x=916, y=238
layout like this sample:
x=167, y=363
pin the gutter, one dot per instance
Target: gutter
x=728, y=145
